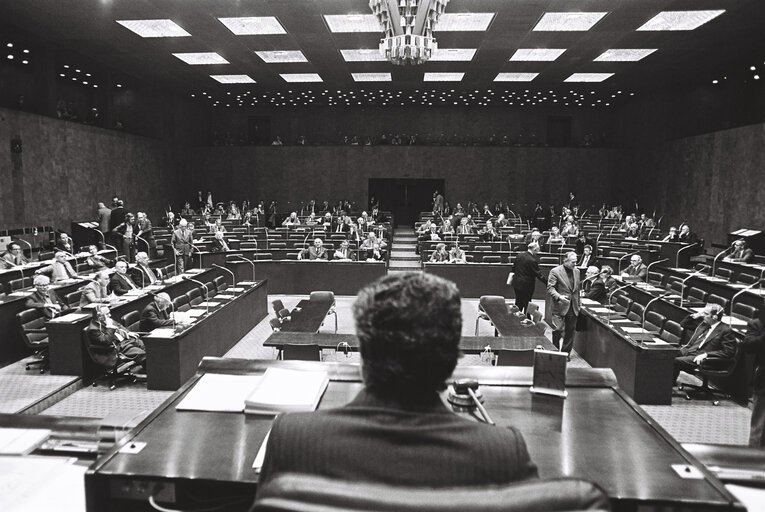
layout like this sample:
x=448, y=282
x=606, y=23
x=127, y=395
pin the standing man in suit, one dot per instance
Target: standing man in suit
x=563, y=287
x=525, y=273
x=121, y=281
x=116, y=218
x=183, y=245
x=754, y=342
x=104, y=215
x=45, y=299
x=398, y=419
x=712, y=338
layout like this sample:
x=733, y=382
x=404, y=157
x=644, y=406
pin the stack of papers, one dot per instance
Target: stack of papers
x=21, y=441
x=225, y=296
x=635, y=330
x=209, y=303
x=219, y=393
x=284, y=390
x=236, y=289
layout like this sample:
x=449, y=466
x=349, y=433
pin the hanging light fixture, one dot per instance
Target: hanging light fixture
x=408, y=29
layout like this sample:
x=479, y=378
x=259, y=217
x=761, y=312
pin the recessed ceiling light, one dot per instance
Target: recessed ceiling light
x=154, y=28
x=453, y=55
x=26, y=51
x=588, y=77
x=680, y=20
x=515, y=77
x=443, y=77
x=10, y=57
x=568, y=21
x=343, y=23
x=119, y=85
x=537, y=54
x=200, y=58
x=362, y=55
x=371, y=77
x=463, y=22
x=756, y=77
x=300, y=77
x=625, y=55
x=251, y=26
x=276, y=56
x=233, y=79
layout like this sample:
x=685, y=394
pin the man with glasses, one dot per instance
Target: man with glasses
x=46, y=299
x=15, y=256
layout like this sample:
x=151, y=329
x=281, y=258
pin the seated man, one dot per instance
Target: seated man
x=155, y=314
x=672, y=236
x=219, y=243
x=315, y=252
x=60, y=269
x=501, y=222
x=603, y=285
x=121, y=282
x=686, y=236
x=65, y=244
x=636, y=269
x=344, y=252
x=464, y=228
x=555, y=236
x=46, y=299
x=409, y=328
x=739, y=252
x=108, y=339
x=586, y=259
x=534, y=236
x=489, y=233
x=95, y=260
x=15, y=256
x=375, y=253
x=439, y=254
x=456, y=254
x=712, y=338
x=142, y=273
x=97, y=291
x=590, y=277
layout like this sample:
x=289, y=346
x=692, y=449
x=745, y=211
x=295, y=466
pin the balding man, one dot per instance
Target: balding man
x=712, y=338
x=315, y=252
x=143, y=274
x=563, y=287
x=636, y=269
x=45, y=299
x=525, y=274
x=97, y=291
x=120, y=280
x=104, y=214
x=60, y=269
x=155, y=314
x=183, y=245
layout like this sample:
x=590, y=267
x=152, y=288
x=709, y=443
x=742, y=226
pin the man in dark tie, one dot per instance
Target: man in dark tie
x=120, y=280
x=15, y=256
x=586, y=259
x=183, y=245
x=155, y=314
x=712, y=338
x=142, y=273
x=344, y=252
x=740, y=253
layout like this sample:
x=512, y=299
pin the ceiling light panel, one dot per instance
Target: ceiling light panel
x=453, y=55
x=588, y=77
x=568, y=21
x=202, y=58
x=278, y=56
x=341, y=23
x=625, y=55
x=464, y=22
x=371, y=77
x=154, y=28
x=363, y=55
x=253, y=26
x=680, y=20
x=300, y=77
x=537, y=54
x=443, y=77
x=233, y=79
x=515, y=77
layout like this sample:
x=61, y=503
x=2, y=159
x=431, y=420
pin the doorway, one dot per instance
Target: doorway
x=404, y=197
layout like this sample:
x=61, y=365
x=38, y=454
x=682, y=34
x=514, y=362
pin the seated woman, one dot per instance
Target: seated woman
x=457, y=255
x=439, y=254
x=555, y=236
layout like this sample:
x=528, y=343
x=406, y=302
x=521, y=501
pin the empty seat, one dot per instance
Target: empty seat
x=671, y=332
x=18, y=284
x=654, y=321
x=482, y=302
x=195, y=297
x=492, y=258
x=675, y=284
x=220, y=284
x=550, y=260
x=275, y=323
x=470, y=258
x=328, y=296
x=635, y=312
x=724, y=273
x=299, y=352
x=656, y=278
x=211, y=290
x=277, y=305
x=72, y=299
x=132, y=321
x=263, y=256
x=717, y=299
x=31, y=322
x=82, y=267
x=744, y=311
x=747, y=278
x=623, y=304
x=697, y=294
x=278, y=245
x=181, y=303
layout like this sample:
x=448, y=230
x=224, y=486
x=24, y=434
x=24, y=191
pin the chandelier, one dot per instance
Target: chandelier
x=408, y=29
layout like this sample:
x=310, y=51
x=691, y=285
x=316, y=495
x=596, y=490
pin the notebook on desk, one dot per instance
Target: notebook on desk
x=283, y=390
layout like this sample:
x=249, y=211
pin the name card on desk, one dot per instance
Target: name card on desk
x=549, y=373
x=210, y=303
x=195, y=312
x=236, y=289
x=225, y=296
x=21, y=294
x=621, y=321
x=162, y=332
x=601, y=311
x=71, y=317
x=634, y=330
x=248, y=283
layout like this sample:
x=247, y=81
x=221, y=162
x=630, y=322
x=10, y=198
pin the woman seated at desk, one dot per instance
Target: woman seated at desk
x=439, y=255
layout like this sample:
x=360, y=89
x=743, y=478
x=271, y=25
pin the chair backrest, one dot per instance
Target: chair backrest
x=169, y=270
x=72, y=299
x=723, y=368
x=301, y=352
x=482, y=248
x=181, y=303
x=323, y=295
x=278, y=305
x=283, y=313
x=131, y=320
x=511, y=357
x=746, y=278
x=675, y=284
x=697, y=294
x=469, y=257
x=654, y=321
x=623, y=304
x=195, y=296
x=490, y=299
x=656, y=278
x=717, y=299
x=260, y=256
x=744, y=311
x=275, y=323
x=29, y=321
x=82, y=267
x=211, y=290
x=724, y=273
x=220, y=283
x=18, y=284
x=291, y=492
x=492, y=258
x=549, y=260
x=636, y=312
x=671, y=332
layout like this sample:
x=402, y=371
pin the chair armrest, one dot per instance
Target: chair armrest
x=715, y=363
x=35, y=331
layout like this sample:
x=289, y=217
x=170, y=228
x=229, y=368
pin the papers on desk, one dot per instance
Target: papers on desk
x=183, y=317
x=71, y=317
x=733, y=321
x=162, y=332
x=194, y=313
x=21, y=441
x=210, y=303
x=217, y=392
x=635, y=330
x=154, y=287
x=257, y=464
x=226, y=296
x=716, y=279
x=194, y=271
x=134, y=292
x=248, y=283
x=590, y=302
x=621, y=321
x=656, y=342
x=236, y=289
x=62, y=282
x=21, y=293
x=42, y=483
x=283, y=390
x=601, y=310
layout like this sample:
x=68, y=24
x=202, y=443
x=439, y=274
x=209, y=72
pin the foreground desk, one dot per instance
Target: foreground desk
x=597, y=433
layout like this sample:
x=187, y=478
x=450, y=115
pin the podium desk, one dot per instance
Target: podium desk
x=468, y=344
x=307, y=316
x=476, y=279
x=597, y=433
x=173, y=357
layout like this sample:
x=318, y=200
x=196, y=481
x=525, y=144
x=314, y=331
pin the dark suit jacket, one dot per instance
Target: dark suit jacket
x=376, y=441
x=219, y=245
x=104, y=345
x=526, y=270
x=120, y=283
x=754, y=342
x=152, y=317
x=640, y=271
x=140, y=275
x=37, y=300
x=559, y=285
x=746, y=256
x=117, y=217
x=599, y=290
x=720, y=343
x=182, y=243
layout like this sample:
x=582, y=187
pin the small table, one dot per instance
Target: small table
x=307, y=316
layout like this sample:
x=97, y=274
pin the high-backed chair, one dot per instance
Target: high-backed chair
x=276, y=324
x=181, y=303
x=713, y=298
x=723, y=273
x=132, y=321
x=300, y=352
x=635, y=312
x=656, y=278
x=712, y=367
x=623, y=304
x=32, y=325
x=72, y=299
x=220, y=283
x=671, y=332
x=515, y=357
x=744, y=311
x=697, y=295
x=654, y=321
x=112, y=375
x=278, y=305
x=326, y=296
x=290, y=492
x=211, y=290
x=195, y=296
x=18, y=284
x=482, y=302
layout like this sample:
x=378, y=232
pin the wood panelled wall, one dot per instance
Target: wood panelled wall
x=65, y=168
x=713, y=181
x=520, y=176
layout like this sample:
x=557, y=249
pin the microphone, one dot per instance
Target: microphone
x=465, y=396
x=714, y=261
x=233, y=277
x=733, y=299
x=103, y=240
x=611, y=295
x=648, y=269
x=207, y=292
x=645, y=310
x=198, y=252
x=242, y=258
x=148, y=249
x=682, y=290
x=28, y=245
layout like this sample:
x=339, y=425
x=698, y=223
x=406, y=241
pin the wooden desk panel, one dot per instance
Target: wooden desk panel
x=476, y=279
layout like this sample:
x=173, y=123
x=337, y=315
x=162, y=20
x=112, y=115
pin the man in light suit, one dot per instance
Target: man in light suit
x=739, y=252
x=315, y=252
x=636, y=269
x=142, y=274
x=45, y=299
x=59, y=269
x=344, y=252
x=104, y=215
x=398, y=419
x=563, y=287
x=15, y=256
x=97, y=291
x=712, y=338
x=183, y=245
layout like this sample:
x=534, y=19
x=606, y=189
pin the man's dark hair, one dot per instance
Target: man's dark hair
x=409, y=328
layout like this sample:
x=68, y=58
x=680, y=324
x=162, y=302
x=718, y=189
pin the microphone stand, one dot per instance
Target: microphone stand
x=103, y=240
x=200, y=255
x=148, y=249
x=645, y=310
x=233, y=277
x=207, y=292
x=648, y=269
x=611, y=295
x=677, y=259
x=172, y=315
x=733, y=299
x=682, y=289
x=242, y=258
x=28, y=245
x=714, y=261
x=619, y=263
